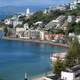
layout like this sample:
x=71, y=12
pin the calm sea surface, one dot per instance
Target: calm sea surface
x=17, y=57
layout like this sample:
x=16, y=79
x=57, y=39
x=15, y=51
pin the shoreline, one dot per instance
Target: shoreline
x=36, y=41
x=42, y=76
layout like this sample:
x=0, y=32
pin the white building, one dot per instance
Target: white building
x=20, y=30
x=43, y=35
x=77, y=19
x=74, y=4
x=71, y=19
x=71, y=74
x=27, y=34
x=78, y=36
x=26, y=26
x=57, y=23
x=16, y=21
x=38, y=23
x=27, y=12
x=45, y=11
x=62, y=7
x=72, y=35
x=34, y=34
x=67, y=75
x=8, y=21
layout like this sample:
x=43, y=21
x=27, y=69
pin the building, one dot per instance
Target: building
x=74, y=4
x=72, y=35
x=62, y=7
x=78, y=36
x=27, y=34
x=77, y=19
x=71, y=74
x=8, y=21
x=38, y=23
x=45, y=11
x=43, y=35
x=31, y=34
x=16, y=22
x=34, y=34
x=57, y=23
x=67, y=75
x=26, y=26
x=71, y=19
x=27, y=12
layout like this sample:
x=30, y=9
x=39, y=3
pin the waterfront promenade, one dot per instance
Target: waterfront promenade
x=37, y=41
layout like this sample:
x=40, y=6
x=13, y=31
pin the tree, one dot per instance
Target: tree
x=74, y=27
x=58, y=66
x=73, y=55
x=5, y=31
x=77, y=28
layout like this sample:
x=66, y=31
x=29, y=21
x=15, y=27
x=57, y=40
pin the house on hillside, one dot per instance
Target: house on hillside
x=57, y=23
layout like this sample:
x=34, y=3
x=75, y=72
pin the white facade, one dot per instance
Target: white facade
x=70, y=19
x=61, y=7
x=77, y=19
x=71, y=35
x=59, y=21
x=27, y=34
x=78, y=36
x=26, y=26
x=72, y=6
x=76, y=2
x=8, y=21
x=42, y=35
x=67, y=76
x=27, y=12
x=16, y=22
x=45, y=11
x=39, y=22
x=19, y=29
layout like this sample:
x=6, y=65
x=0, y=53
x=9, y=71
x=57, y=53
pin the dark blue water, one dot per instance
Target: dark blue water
x=16, y=58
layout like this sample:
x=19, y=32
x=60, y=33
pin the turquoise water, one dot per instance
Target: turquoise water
x=17, y=57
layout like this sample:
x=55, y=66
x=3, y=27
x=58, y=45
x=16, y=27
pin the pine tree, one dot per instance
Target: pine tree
x=58, y=66
x=73, y=55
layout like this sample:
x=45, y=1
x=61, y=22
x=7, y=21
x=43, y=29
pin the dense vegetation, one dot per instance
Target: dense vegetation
x=58, y=67
x=74, y=27
x=45, y=18
x=73, y=56
x=40, y=16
